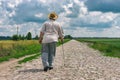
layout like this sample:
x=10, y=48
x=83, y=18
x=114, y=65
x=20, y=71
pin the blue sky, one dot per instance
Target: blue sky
x=79, y=18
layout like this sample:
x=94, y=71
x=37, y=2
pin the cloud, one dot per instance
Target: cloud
x=7, y=30
x=86, y=32
x=29, y=27
x=38, y=15
x=0, y=22
x=0, y=3
x=103, y=5
x=82, y=32
x=75, y=16
x=94, y=20
x=75, y=11
x=76, y=8
x=111, y=32
x=25, y=12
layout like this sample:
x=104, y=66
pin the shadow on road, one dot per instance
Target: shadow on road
x=31, y=70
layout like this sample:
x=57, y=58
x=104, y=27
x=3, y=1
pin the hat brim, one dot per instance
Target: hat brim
x=56, y=16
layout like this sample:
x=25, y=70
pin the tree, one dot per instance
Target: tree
x=36, y=37
x=29, y=36
x=23, y=37
x=20, y=37
x=15, y=37
x=68, y=37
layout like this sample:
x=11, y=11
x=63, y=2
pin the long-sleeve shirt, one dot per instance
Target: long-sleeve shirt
x=52, y=31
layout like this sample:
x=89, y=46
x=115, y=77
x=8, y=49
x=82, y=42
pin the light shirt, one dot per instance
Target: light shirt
x=52, y=31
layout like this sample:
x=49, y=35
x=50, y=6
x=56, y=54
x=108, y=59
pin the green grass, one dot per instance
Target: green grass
x=109, y=47
x=29, y=58
x=38, y=54
x=17, y=49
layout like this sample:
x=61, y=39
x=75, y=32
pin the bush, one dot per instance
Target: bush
x=15, y=37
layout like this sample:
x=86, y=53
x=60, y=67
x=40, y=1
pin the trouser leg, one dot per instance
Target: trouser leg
x=44, y=56
x=52, y=52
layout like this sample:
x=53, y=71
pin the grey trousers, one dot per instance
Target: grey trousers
x=48, y=54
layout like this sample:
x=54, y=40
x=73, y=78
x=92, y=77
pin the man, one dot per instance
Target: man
x=49, y=34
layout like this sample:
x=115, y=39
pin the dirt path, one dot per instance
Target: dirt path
x=12, y=62
x=81, y=63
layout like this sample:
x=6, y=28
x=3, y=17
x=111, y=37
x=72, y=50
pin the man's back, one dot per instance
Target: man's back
x=52, y=30
x=52, y=27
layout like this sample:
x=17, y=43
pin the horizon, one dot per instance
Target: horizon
x=78, y=18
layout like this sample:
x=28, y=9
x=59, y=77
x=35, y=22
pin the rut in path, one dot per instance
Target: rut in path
x=81, y=63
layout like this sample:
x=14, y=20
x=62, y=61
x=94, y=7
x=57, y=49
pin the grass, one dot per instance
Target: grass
x=29, y=58
x=38, y=54
x=109, y=47
x=16, y=49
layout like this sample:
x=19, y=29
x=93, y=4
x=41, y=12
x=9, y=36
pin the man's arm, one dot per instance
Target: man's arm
x=41, y=37
x=61, y=38
x=60, y=33
x=42, y=33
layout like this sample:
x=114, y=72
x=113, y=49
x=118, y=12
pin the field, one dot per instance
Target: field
x=108, y=46
x=16, y=49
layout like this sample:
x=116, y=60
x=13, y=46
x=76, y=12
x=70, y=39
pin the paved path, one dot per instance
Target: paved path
x=81, y=63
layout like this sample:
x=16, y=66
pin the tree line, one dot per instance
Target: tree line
x=28, y=36
x=16, y=37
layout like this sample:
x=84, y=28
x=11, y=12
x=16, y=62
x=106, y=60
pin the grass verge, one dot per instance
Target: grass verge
x=17, y=49
x=38, y=54
x=29, y=58
x=109, y=47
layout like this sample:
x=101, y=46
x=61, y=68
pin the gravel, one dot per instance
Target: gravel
x=80, y=63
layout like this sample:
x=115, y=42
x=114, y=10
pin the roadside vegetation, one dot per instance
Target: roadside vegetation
x=15, y=49
x=29, y=58
x=108, y=46
x=38, y=54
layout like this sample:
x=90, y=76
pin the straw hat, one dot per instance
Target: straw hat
x=52, y=15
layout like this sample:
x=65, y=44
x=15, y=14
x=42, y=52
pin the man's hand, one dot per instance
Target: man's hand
x=41, y=37
x=40, y=41
x=62, y=40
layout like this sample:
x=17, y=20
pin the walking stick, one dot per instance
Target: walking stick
x=63, y=54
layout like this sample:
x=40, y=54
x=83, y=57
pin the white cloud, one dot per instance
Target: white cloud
x=101, y=17
x=0, y=3
x=39, y=15
x=74, y=17
x=64, y=21
x=11, y=14
x=81, y=32
x=23, y=29
x=108, y=17
x=66, y=8
x=0, y=21
x=85, y=32
x=43, y=1
x=17, y=2
x=11, y=5
x=83, y=11
x=70, y=5
x=111, y=32
x=77, y=1
x=95, y=19
x=2, y=34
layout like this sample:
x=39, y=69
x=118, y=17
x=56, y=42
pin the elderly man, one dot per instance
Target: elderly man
x=49, y=34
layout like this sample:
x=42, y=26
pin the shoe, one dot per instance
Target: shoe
x=46, y=69
x=50, y=68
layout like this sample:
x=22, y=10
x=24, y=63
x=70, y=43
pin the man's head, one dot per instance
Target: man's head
x=53, y=16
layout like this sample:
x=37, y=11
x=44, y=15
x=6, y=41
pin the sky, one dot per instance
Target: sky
x=79, y=18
